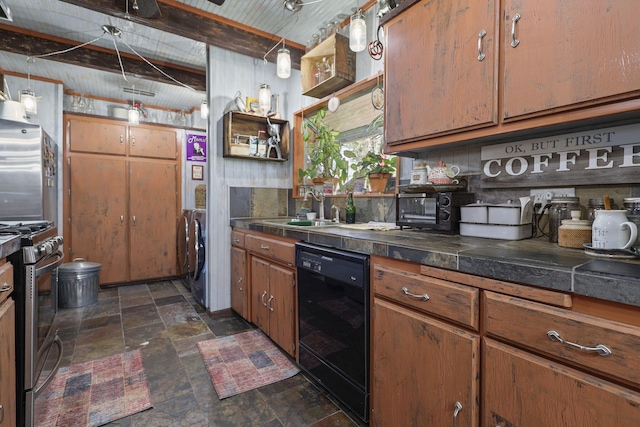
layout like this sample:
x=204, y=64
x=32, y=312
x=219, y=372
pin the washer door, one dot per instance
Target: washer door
x=183, y=244
x=196, y=261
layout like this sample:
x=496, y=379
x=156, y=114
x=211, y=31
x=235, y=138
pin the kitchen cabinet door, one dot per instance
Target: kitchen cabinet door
x=524, y=390
x=260, y=293
x=151, y=142
x=153, y=204
x=239, y=296
x=90, y=135
x=434, y=82
x=422, y=367
x=281, y=305
x=570, y=54
x=7, y=364
x=98, y=214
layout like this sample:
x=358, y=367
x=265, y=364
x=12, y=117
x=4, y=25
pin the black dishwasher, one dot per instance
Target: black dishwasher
x=333, y=321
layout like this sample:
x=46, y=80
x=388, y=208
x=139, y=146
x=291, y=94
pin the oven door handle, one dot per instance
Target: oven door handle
x=59, y=257
x=58, y=342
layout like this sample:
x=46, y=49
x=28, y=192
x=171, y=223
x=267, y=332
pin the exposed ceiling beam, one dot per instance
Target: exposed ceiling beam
x=192, y=23
x=30, y=43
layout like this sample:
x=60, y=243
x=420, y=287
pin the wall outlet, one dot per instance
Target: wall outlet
x=543, y=196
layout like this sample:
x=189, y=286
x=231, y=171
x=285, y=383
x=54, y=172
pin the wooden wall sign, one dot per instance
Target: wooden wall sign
x=599, y=156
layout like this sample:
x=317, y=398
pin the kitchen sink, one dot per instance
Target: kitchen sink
x=293, y=222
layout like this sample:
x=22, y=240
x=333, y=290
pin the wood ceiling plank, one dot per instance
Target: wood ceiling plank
x=30, y=43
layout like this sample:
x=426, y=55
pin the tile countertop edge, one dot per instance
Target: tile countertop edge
x=9, y=245
x=534, y=262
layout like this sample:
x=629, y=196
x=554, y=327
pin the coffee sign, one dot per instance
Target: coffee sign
x=602, y=156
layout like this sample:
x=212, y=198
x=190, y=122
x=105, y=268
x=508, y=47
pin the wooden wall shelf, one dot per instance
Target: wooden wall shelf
x=240, y=129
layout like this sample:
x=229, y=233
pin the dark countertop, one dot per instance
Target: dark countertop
x=531, y=261
x=9, y=245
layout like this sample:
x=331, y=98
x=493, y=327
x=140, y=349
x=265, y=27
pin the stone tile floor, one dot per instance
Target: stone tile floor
x=164, y=321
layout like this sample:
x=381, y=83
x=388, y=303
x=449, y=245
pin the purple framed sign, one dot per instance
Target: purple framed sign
x=196, y=148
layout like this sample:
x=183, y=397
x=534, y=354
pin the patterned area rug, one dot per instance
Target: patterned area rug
x=96, y=392
x=243, y=362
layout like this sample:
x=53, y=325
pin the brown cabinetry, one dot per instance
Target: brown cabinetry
x=122, y=203
x=478, y=69
x=8, y=348
x=547, y=389
x=425, y=371
x=434, y=82
x=273, y=288
x=239, y=282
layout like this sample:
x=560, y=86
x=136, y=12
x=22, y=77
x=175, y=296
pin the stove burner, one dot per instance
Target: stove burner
x=24, y=228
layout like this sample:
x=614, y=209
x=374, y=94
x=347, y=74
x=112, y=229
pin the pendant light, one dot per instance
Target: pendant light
x=133, y=115
x=28, y=97
x=264, y=98
x=283, y=64
x=357, y=32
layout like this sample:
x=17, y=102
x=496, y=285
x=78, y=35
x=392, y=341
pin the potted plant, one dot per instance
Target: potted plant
x=325, y=161
x=378, y=168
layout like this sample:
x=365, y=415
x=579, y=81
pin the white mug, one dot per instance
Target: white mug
x=611, y=230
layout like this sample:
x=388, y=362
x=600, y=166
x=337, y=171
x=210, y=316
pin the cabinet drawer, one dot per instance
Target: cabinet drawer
x=6, y=280
x=529, y=325
x=279, y=250
x=458, y=303
x=237, y=238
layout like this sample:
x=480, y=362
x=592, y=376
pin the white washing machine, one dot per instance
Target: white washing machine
x=197, y=256
x=182, y=246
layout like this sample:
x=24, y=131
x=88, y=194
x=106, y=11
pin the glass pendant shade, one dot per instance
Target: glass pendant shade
x=30, y=102
x=264, y=98
x=357, y=32
x=134, y=116
x=283, y=66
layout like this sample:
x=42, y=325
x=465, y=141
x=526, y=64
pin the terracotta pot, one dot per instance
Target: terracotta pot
x=378, y=181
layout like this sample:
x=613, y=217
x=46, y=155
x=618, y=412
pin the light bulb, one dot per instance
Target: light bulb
x=357, y=32
x=264, y=98
x=30, y=102
x=134, y=116
x=284, y=63
x=204, y=110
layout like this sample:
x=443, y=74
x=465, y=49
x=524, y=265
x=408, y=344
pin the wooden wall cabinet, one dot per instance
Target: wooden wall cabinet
x=8, y=348
x=273, y=288
x=481, y=69
x=122, y=188
x=239, y=280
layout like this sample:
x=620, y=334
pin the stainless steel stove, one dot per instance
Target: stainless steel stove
x=35, y=295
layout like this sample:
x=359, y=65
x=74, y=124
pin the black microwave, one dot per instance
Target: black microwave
x=438, y=211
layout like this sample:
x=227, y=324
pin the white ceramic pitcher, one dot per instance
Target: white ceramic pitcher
x=612, y=230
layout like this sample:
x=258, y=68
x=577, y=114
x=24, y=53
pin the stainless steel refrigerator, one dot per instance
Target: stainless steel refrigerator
x=28, y=173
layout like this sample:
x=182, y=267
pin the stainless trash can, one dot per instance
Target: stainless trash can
x=78, y=283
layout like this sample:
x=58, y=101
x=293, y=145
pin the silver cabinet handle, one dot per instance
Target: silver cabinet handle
x=264, y=294
x=121, y=219
x=5, y=287
x=481, y=54
x=265, y=247
x=236, y=240
x=133, y=140
x=240, y=281
x=601, y=349
x=423, y=297
x=456, y=410
x=134, y=220
x=514, y=41
x=269, y=302
x=121, y=139
x=1, y=413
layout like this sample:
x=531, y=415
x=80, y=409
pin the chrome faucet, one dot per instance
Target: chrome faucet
x=319, y=196
x=337, y=218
